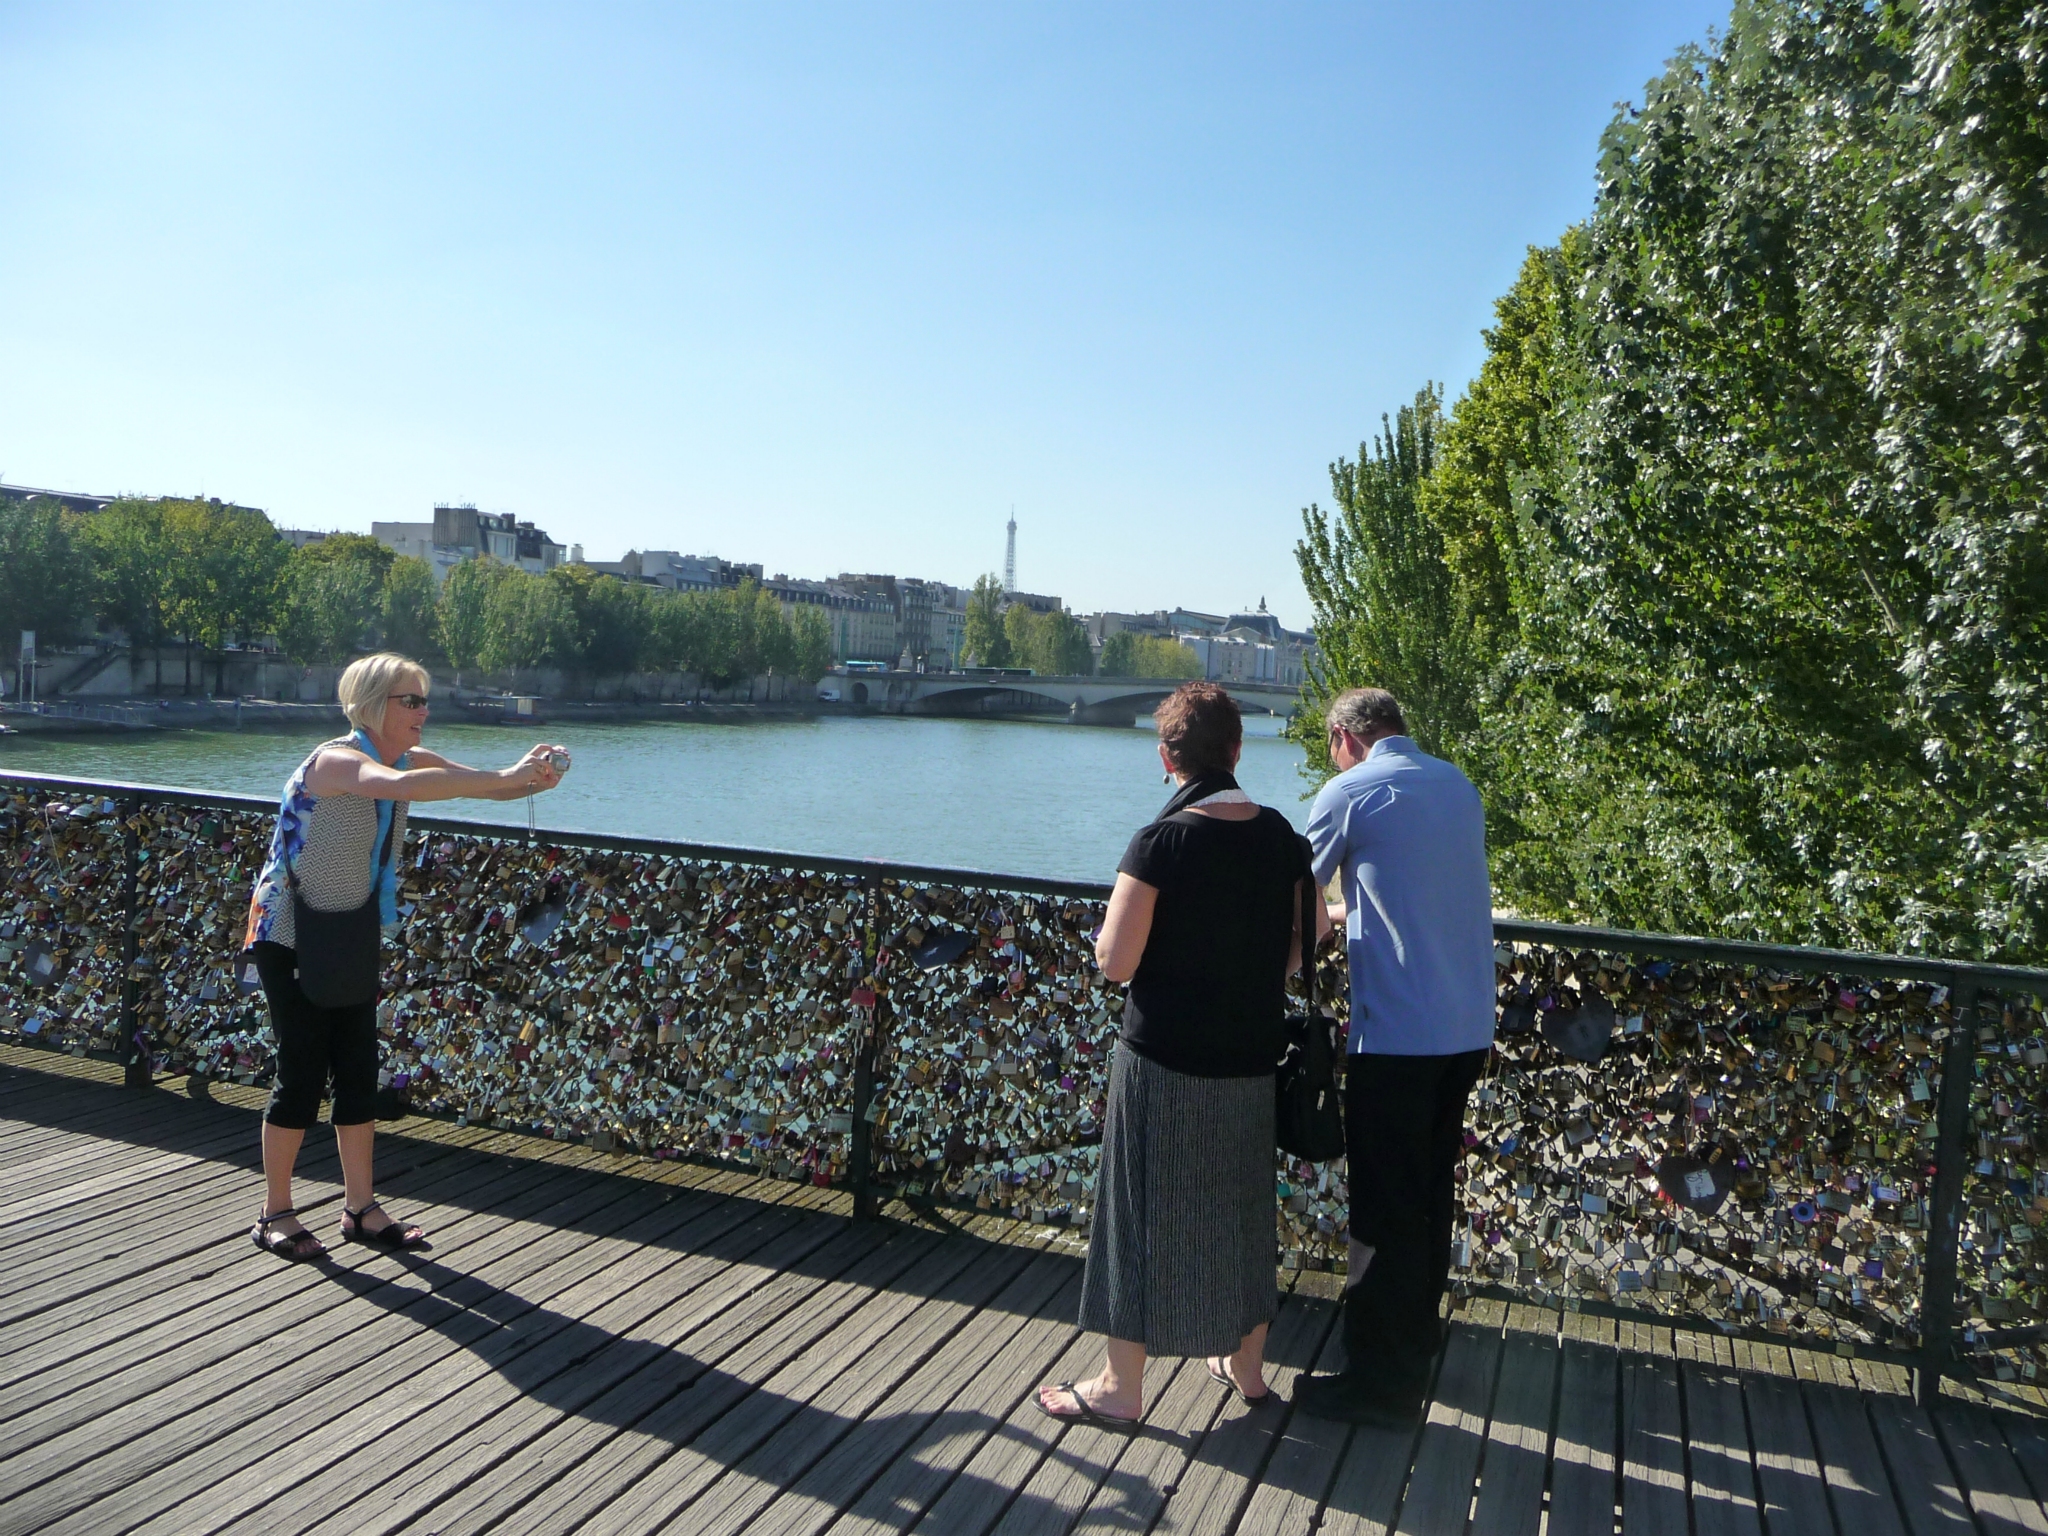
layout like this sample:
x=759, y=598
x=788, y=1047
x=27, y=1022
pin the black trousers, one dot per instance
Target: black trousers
x=313, y=1045
x=1404, y=1131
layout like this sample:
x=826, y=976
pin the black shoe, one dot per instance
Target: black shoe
x=1351, y=1401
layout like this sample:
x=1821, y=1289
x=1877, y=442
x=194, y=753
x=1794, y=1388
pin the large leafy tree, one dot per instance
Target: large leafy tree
x=45, y=583
x=130, y=557
x=462, y=616
x=1385, y=604
x=983, y=642
x=1744, y=511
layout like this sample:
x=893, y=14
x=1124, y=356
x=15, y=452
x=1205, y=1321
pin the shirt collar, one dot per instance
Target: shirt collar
x=1398, y=746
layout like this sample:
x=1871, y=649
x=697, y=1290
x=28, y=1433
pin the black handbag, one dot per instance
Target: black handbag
x=1308, y=1110
x=340, y=952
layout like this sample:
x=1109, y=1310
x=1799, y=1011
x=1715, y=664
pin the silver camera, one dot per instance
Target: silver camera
x=559, y=761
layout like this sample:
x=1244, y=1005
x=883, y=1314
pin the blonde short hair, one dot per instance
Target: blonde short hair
x=369, y=680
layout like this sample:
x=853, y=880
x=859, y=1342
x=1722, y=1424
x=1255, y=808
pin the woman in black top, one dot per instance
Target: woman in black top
x=1205, y=925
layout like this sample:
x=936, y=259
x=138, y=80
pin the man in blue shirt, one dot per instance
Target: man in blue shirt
x=1409, y=835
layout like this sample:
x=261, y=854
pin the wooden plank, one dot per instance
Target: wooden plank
x=1063, y=1483
x=1931, y=1501
x=1723, y=1482
x=1303, y=1463
x=1045, y=1292
x=2028, y=1438
x=139, y=1432
x=1440, y=1493
x=659, y=1383
x=1584, y=1458
x=415, y=1422
x=723, y=1478
x=1006, y=1460
x=1787, y=1466
x=1225, y=1469
x=219, y=1323
x=1992, y=1480
x=213, y=1486
x=950, y=1440
x=1148, y=1465
x=1652, y=1444
x=1513, y=1470
x=1852, y=1463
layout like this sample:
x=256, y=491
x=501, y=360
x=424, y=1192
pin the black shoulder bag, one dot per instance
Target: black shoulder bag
x=1308, y=1113
x=339, y=952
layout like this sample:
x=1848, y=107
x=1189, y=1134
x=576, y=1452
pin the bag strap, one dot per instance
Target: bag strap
x=1308, y=937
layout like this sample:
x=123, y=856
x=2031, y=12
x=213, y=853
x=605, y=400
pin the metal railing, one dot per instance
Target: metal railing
x=941, y=1034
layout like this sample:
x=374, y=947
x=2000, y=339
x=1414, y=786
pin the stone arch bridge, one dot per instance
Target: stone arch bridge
x=1083, y=700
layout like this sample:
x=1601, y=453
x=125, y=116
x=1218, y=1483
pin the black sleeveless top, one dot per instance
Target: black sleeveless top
x=1211, y=988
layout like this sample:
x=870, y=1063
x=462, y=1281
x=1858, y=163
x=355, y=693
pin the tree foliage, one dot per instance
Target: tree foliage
x=1050, y=644
x=1743, y=514
x=983, y=642
x=44, y=577
x=1125, y=654
x=1385, y=602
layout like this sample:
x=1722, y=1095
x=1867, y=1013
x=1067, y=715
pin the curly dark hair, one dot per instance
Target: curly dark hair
x=1198, y=725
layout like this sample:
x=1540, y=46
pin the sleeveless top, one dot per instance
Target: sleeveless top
x=331, y=841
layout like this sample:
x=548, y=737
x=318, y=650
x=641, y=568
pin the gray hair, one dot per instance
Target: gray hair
x=370, y=680
x=1365, y=712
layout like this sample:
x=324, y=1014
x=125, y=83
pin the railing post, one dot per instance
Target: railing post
x=134, y=1050
x=1938, y=1294
x=861, y=1161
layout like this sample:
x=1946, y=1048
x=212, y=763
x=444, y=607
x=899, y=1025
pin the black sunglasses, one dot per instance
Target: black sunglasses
x=409, y=700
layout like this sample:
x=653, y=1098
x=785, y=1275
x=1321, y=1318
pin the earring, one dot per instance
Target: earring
x=1166, y=778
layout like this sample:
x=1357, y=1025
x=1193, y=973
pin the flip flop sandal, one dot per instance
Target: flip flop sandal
x=394, y=1235
x=290, y=1246
x=1087, y=1415
x=1222, y=1379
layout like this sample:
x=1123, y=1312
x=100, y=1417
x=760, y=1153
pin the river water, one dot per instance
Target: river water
x=1014, y=797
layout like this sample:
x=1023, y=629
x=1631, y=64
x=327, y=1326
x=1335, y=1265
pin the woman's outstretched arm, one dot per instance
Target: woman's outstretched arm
x=345, y=771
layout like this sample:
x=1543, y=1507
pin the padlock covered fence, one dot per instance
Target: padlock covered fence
x=1839, y=1149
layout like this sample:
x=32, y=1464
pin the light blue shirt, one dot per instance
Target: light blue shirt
x=1409, y=833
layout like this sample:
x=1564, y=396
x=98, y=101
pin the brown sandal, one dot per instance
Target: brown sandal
x=298, y=1247
x=394, y=1235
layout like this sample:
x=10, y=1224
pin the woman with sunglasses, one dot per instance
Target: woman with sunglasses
x=336, y=849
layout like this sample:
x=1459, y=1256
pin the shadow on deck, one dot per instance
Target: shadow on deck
x=697, y=1351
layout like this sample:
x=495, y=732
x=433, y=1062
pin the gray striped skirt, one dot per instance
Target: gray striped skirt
x=1181, y=1255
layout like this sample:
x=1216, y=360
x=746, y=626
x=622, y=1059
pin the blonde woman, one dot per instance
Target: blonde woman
x=333, y=869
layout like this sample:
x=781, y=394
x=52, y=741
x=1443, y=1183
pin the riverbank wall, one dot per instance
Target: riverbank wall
x=113, y=675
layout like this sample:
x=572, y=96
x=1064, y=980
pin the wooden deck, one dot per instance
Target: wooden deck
x=609, y=1345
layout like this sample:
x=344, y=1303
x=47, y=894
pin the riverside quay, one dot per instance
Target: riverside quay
x=758, y=1185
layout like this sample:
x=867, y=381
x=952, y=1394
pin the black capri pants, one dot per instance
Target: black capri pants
x=313, y=1044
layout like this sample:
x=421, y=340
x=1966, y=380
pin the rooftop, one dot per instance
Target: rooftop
x=605, y=1343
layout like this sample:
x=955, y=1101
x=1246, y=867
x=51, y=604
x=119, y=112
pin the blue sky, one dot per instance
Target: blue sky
x=827, y=287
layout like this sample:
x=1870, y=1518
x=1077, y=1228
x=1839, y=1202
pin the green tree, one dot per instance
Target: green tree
x=1156, y=656
x=408, y=607
x=1385, y=605
x=335, y=598
x=614, y=620
x=984, y=643
x=529, y=621
x=45, y=582
x=1021, y=630
x=462, y=615
x=125, y=543
x=810, y=644
x=223, y=571
x=1119, y=656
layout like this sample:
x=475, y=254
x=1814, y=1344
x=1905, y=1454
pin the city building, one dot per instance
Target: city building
x=1253, y=648
x=863, y=626
x=460, y=533
x=931, y=617
x=1037, y=602
x=299, y=538
x=69, y=501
